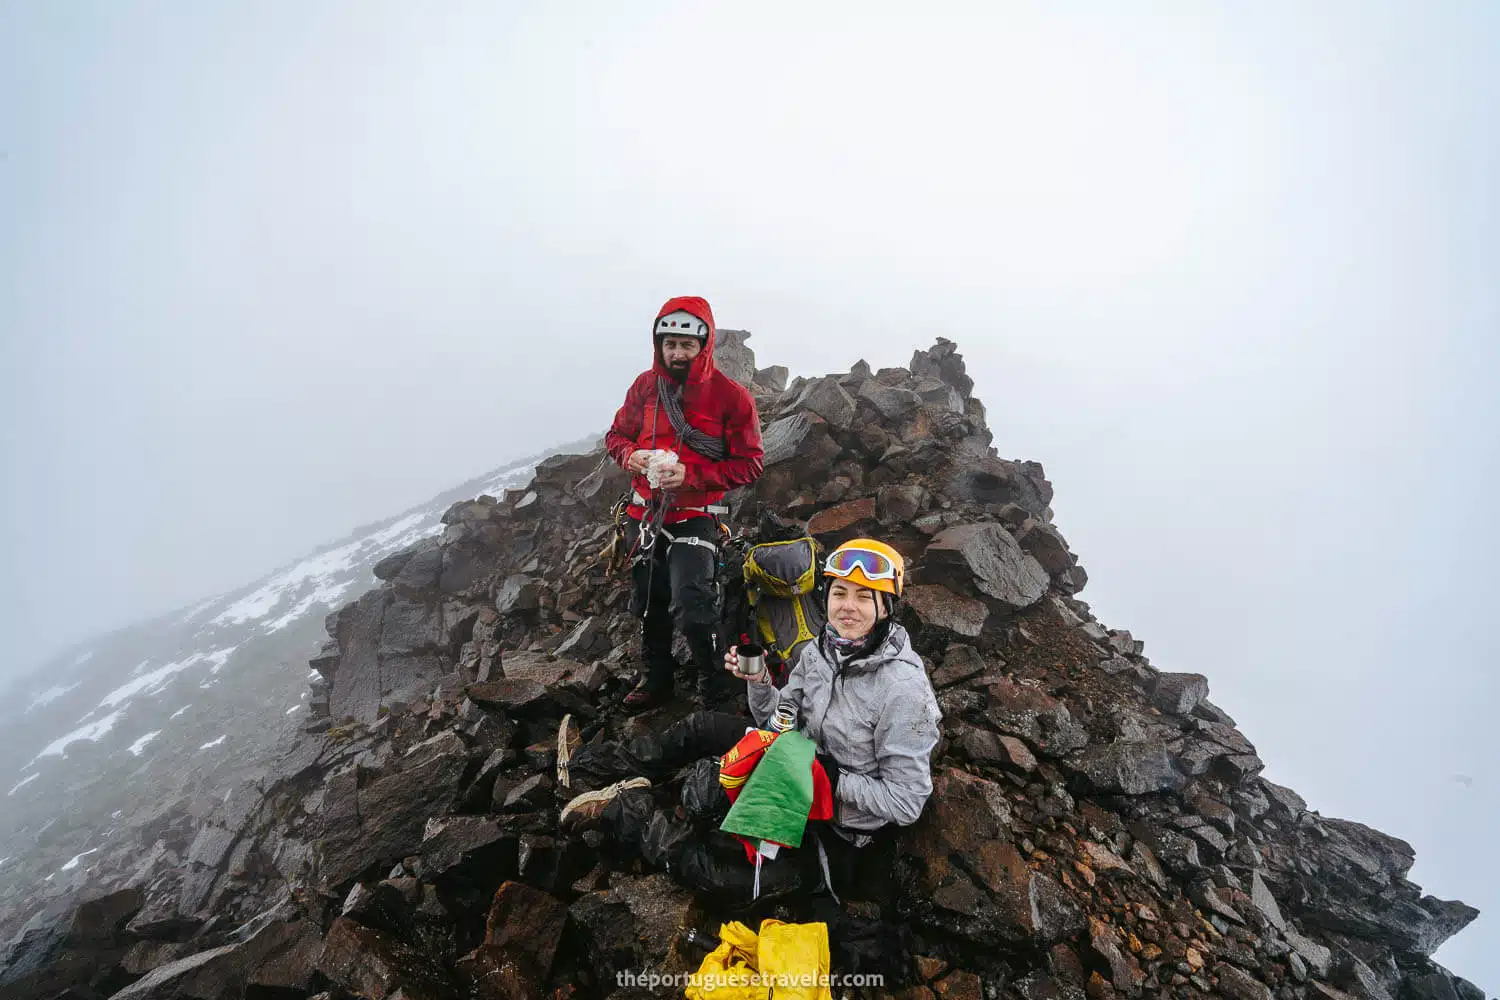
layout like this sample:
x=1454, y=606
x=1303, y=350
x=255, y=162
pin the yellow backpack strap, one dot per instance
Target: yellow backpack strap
x=804, y=634
x=767, y=633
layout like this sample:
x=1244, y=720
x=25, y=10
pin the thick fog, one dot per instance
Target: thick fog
x=271, y=271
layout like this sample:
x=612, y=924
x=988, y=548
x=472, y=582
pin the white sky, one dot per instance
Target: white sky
x=1229, y=272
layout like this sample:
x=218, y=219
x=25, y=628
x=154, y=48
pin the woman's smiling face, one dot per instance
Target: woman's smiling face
x=852, y=609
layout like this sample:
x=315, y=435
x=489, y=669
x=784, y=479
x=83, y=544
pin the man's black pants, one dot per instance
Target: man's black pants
x=694, y=849
x=673, y=589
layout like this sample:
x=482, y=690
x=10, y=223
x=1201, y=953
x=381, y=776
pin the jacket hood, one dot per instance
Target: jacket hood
x=703, y=365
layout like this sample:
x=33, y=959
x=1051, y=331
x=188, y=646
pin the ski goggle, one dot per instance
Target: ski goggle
x=874, y=565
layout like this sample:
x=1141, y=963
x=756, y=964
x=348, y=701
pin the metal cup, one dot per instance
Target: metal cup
x=752, y=660
x=784, y=719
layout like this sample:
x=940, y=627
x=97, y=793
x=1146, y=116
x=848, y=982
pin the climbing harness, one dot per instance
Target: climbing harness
x=712, y=508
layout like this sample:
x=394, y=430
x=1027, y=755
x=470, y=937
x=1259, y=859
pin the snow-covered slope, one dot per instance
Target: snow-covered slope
x=176, y=710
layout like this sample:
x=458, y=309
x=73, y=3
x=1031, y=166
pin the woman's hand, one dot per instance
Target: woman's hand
x=732, y=664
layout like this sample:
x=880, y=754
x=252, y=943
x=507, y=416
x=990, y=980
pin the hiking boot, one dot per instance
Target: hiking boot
x=583, y=811
x=647, y=695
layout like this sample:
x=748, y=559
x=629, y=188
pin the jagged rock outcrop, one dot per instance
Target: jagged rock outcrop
x=1098, y=827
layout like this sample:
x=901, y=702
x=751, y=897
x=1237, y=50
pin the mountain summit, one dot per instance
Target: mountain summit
x=1098, y=827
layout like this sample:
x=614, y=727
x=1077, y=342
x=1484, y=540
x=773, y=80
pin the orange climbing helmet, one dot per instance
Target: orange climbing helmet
x=868, y=563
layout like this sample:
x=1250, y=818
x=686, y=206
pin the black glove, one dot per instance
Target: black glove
x=830, y=768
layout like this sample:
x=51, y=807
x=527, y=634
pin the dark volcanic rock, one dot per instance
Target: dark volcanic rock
x=938, y=607
x=1131, y=768
x=373, y=964
x=986, y=558
x=521, y=937
x=379, y=822
x=1179, y=694
x=631, y=924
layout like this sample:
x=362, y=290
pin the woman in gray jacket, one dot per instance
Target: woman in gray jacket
x=861, y=693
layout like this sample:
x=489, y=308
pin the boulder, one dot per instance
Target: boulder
x=1261, y=896
x=521, y=935
x=899, y=503
x=1238, y=984
x=984, y=557
x=451, y=841
x=273, y=954
x=422, y=571
x=632, y=924
x=801, y=436
x=960, y=663
x=826, y=398
x=892, y=403
x=587, y=640
x=938, y=607
x=772, y=378
x=101, y=918
x=509, y=695
x=376, y=965
x=1179, y=694
x=733, y=356
x=842, y=517
x=518, y=593
x=1127, y=768
x=378, y=823
x=1045, y=544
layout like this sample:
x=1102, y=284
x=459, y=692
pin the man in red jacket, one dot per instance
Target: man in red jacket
x=684, y=405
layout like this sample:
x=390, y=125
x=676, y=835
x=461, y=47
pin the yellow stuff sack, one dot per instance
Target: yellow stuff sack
x=785, y=962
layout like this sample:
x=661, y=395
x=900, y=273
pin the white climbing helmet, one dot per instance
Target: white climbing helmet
x=681, y=324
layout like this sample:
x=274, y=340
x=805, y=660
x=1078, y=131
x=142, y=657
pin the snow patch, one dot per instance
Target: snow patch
x=140, y=744
x=319, y=573
x=155, y=680
x=84, y=657
x=213, y=743
x=92, y=731
x=77, y=858
x=50, y=695
x=327, y=594
x=515, y=476
x=291, y=710
x=175, y=714
x=24, y=782
x=198, y=609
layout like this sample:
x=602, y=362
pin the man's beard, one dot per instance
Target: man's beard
x=679, y=369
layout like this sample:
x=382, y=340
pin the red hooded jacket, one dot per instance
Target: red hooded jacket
x=712, y=402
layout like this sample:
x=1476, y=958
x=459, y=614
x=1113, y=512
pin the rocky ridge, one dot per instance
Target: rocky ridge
x=1098, y=826
x=147, y=727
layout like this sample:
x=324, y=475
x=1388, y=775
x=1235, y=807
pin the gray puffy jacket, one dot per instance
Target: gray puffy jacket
x=877, y=716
